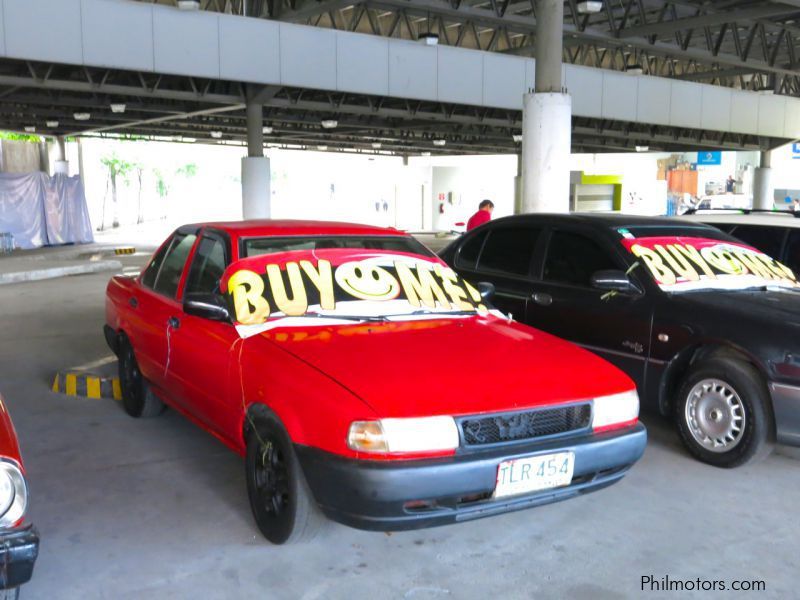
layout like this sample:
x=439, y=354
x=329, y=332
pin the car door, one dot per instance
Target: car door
x=563, y=302
x=200, y=349
x=503, y=256
x=154, y=303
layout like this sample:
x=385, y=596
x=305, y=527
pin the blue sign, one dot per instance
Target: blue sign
x=709, y=158
x=796, y=150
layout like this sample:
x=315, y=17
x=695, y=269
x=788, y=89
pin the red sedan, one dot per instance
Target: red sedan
x=363, y=379
x=19, y=541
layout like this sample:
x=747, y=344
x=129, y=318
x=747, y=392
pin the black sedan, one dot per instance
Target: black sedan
x=708, y=327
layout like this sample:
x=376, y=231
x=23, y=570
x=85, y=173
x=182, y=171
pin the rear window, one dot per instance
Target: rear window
x=767, y=239
x=271, y=245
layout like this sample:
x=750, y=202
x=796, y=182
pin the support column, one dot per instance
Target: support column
x=61, y=164
x=763, y=193
x=547, y=120
x=518, y=186
x=255, y=167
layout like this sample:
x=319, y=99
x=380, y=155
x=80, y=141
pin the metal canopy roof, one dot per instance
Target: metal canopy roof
x=665, y=38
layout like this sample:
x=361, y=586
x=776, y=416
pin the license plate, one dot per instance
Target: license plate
x=524, y=475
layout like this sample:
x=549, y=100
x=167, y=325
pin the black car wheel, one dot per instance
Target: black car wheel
x=723, y=413
x=281, y=502
x=137, y=397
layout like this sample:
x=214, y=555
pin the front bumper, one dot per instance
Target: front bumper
x=18, y=551
x=786, y=406
x=374, y=494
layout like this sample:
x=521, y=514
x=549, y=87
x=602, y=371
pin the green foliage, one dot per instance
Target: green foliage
x=19, y=137
x=162, y=189
x=117, y=167
x=187, y=170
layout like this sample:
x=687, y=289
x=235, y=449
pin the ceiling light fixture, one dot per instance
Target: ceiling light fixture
x=52, y=124
x=425, y=154
x=429, y=39
x=118, y=107
x=82, y=116
x=329, y=123
x=642, y=148
x=439, y=142
x=188, y=4
x=322, y=147
x=517, y=137
x=634, y=69
x=30, y=128
x=266, y=129
x=376, y=145
x=587, y=8
x=216, y=134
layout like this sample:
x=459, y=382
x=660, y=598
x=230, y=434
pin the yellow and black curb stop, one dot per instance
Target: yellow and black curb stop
x=87, y=385
x=125, y=250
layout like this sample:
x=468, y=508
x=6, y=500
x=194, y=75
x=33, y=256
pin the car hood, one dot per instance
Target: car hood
x=774, y=307
x=453, y=366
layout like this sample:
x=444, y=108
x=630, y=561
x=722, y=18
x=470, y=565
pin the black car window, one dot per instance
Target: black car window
x=792, y=254
x=151, y=272
x=767, y=239
x=468, y=254
x=207, y=266
x=509, y=250
x=573, y=258
x=170, y=274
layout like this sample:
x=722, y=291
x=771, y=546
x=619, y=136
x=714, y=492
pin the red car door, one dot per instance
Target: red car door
x=202, y=351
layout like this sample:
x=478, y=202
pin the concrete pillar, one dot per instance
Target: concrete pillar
x=518, y=186
x=255, y=167
x=61, y=164
x=547, y=120
x=763, y=193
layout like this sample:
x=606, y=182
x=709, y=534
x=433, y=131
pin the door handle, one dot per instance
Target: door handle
x=174, y=322
x=542, y=299
x=133, y=302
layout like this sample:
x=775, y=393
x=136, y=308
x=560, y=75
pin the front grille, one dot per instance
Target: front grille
x=513, y=427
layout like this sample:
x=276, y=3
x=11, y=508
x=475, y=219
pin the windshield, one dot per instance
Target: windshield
x=686, y=259
x=273, y=245
x=305, y=288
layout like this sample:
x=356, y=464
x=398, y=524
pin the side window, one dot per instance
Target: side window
x=150, y=273
x=468, y=255
x=207, y=266
x=170, y=274
x=792, y=259
x=766, y=239
x=509, y=250
x=573, y=258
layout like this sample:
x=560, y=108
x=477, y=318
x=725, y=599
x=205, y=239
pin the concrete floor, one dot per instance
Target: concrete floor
x=157, y=508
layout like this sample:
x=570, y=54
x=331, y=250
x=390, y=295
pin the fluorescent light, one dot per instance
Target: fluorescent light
x=424, y=153
x=189, y=140
x=216, y=134
x=30, y=128
x=188, y=4
x=82, y=116
x=118, y=107
x=517, y=137
x=429, y=39
x=52, y=124
x=322, y=147
x=266, y=129
x=439, y=142
x=329, y=123
x=586, y=8
x=376, y=145
x=635, y=69
x=642, y=148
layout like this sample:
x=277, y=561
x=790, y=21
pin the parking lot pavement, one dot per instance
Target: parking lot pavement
x=157, y=508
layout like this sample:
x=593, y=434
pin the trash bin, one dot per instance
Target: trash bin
x=6, y=243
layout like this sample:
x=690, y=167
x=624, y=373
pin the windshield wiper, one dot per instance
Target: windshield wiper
x=368, y=318
x=428, y=311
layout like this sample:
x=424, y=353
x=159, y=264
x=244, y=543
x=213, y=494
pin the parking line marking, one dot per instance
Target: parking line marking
x=71, y=385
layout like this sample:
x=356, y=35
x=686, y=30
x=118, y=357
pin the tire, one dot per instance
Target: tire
x=724, y=414
x=9, y=594
x=280, y=499
x=138, y=398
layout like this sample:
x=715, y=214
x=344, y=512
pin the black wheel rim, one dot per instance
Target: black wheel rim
x=271, y=478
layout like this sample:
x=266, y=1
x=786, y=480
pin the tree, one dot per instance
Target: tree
x=162, y=188
x=139, y=169
x=116, y=168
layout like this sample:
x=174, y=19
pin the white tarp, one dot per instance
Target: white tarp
x=39, y=210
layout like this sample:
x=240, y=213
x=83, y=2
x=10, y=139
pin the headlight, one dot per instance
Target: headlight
x=617, y=410
x=13, y=494
x=424, y=434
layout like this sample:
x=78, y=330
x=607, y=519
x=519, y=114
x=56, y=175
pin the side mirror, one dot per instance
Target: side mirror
x=486, y=290
x=614, y=281
x=206, y=306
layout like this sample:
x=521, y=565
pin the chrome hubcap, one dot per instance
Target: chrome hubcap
x=715, y=415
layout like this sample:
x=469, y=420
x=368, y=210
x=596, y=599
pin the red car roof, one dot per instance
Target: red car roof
x=258, y=227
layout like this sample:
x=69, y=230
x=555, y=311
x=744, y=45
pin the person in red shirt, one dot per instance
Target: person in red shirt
x=484, y=215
